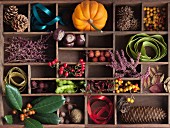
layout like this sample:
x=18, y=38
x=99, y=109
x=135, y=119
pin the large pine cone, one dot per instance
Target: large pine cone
x=20, y=23
x=10, y=13
x=144, y=114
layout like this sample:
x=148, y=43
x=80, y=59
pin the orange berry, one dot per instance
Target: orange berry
x=24, y=110
x=14, y=112
x=33, y=112
x=128, y=99
x=29, y=105
x=30, y=113
x=132, y=101
x=22, y=116
x=117, y=91
x=22, y=119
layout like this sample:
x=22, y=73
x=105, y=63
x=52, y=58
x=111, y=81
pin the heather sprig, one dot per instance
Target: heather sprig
x=20, y=49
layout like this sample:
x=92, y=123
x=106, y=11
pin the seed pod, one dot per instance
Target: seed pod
x=80, y=40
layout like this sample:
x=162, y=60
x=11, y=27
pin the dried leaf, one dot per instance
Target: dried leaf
x=168, y=86
x=165, y=87
x=153, y=70
x=157, y=68
x=167, y=80
x=151, y=74
x=149, y=81
x=154, y=78
x=162, y=78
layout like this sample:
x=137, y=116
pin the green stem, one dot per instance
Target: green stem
x=90, y=21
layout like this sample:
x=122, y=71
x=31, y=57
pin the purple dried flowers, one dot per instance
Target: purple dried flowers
x=124, y=68
x=20, y=49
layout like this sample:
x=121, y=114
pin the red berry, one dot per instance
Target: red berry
x=91, y=54
x=53, y=62
x=81, y=60
x=49, y=64
x=60, y=72
x=119, y=79
x=65, y=65
x=83, y=63
x=62, y=68
x=56, y=60
x=66, y=74
x=80, y=75
x=82, y=68
x=72, y=70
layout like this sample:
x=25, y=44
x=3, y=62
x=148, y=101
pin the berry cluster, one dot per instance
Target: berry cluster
x=155, y=18
x=127, y=87
x=66, y=70
x=99, y=56
x=39, y=86
x=26, y=113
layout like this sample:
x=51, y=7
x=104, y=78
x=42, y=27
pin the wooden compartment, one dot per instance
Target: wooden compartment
x=22, y=9
x=66, y=10
x=50, y=52
x=137, y=14
x=43, y=15
x=99, y=71
x=75, y=102
x=163, y=14
x=153, y=101
x=43, y=72
x=100, y=41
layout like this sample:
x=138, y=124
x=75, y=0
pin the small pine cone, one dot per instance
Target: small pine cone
x=144, y=114
x=10, y=13
x=134, y=24
x=20, y=23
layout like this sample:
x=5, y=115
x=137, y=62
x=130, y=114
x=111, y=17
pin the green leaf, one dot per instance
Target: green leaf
x=49, y=104
x=31, y=123
x=47, y=118
x=37, y=100
x=13, y=97
x=8, y=119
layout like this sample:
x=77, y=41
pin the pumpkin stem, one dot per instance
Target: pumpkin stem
x=90, y=21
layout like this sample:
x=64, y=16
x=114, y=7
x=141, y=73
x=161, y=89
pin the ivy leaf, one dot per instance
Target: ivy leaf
x=49, y=104
x=47, y=118
x=13, y=97
x=31, y=123
x=8, y=119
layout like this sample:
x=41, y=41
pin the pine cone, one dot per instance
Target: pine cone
x=10, y=13
x=20, y=23
x=144, y=114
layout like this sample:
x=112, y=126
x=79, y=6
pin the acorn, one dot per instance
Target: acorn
x=80, y=40
x=102, y=59
x=95, y=59
x=58, y=34
x=76, y=116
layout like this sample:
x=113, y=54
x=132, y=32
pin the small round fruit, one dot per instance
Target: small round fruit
x=107, y=54
x=102, y=59
x=97, y=53
x=101, y=53
x=33, y=112
x=80, y=40
x=30, y=113
x=62, y=114
x=132, y=101
x=128, y=99
x=95, y=59
x=61, y=72
x=24, y=110
x=70, y=106
x=14, y=112
x=81, y=60
x=65, y=65
x=29, y=105
x=66, y=74
x=49, y=64
x=121, y=89
x=117, y=91
x=22, y=119
x=22, y=116
x=91, y=54
x=41, y=85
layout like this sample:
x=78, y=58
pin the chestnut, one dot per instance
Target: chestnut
x=80, y=40
x=58, y=34
x=69, y=40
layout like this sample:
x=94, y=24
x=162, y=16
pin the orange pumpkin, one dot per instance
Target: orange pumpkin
x=89, y=12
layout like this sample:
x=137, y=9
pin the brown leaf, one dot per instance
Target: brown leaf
x=157, y=68
x=162, y=78
x=149, y=81
x=153, y=70
x=154, y=78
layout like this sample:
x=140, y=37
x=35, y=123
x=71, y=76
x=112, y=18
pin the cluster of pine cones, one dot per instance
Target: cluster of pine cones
x=17, y=21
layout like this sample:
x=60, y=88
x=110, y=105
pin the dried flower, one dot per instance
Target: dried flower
x=126, y=20
x=20, y=49
x=125, y=68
